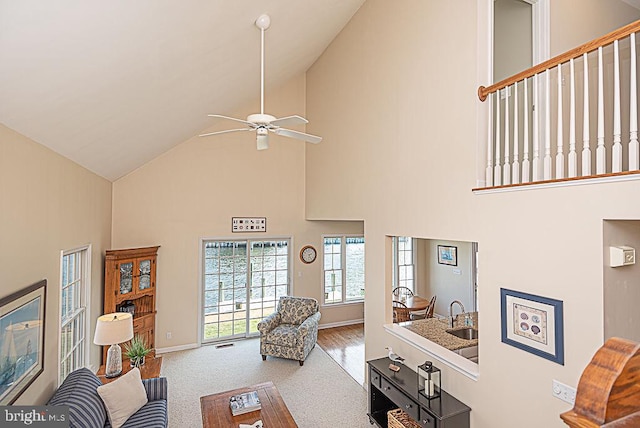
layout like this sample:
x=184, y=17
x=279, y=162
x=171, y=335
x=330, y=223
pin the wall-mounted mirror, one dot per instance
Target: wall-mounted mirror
x=434, y=291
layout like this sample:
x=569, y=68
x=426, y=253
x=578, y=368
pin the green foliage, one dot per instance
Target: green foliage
x=136, y=349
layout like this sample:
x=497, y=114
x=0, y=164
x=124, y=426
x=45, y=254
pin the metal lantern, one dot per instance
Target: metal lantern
x=429, y=380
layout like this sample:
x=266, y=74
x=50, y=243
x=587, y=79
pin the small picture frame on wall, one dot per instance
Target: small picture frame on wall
x=448, y=255
x=248, y=224
x=533, y=323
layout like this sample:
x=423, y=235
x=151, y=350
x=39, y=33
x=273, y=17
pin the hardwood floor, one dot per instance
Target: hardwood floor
x=346, y=346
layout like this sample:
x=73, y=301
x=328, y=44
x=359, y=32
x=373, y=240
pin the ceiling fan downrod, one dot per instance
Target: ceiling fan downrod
x=263, y=22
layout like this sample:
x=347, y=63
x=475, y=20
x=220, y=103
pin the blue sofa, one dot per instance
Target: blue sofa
x=86, y=409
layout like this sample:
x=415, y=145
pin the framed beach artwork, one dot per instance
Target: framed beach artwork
x=448, y=255
x=21, y=340
x=533, y=324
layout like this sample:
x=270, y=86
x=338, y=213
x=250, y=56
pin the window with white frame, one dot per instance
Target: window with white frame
x=74, y=317
x=404, y=266
x=343, y=269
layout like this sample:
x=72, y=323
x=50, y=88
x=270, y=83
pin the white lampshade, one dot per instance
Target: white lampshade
x=113, y=328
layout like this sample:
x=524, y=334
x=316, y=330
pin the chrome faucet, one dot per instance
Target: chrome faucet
x=451, y=318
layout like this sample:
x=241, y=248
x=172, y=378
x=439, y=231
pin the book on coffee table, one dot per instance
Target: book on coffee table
x=244, y=403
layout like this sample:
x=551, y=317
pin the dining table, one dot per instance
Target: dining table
x=410, y=304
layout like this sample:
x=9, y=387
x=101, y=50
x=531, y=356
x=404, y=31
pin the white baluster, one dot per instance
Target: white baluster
x=560, y=138
x=506, y=168
x=573, y=157
x=536, y=139
x=616, y=153
x=547, y=128
x=586, y=150
x=600, y=150
x=497, y=171
x=525, y=134
x=515, y=176
x=634, y=161
x=488, y=176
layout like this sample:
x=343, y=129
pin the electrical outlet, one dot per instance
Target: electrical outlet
x=168, y=335
x=563, y=392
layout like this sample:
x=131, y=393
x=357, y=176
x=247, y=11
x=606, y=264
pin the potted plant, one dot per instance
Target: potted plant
x=136, y=350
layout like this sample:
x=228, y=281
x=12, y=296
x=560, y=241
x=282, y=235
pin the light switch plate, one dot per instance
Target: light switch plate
x=563, y=392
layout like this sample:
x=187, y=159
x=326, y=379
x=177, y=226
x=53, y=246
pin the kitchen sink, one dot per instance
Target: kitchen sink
x=465, y=333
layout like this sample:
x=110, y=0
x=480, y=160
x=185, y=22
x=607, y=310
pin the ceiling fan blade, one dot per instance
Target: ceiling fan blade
x=219, y=116
x=225, y=131
x=299, y=135
x=289, y=120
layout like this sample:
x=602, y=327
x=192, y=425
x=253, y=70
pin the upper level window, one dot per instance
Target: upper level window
x=343, y=269
x=404, y=262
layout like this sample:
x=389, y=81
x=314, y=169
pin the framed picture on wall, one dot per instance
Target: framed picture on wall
x=448, y=255
x=533, y=324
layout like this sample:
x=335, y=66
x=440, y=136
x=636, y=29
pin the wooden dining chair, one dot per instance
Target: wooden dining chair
x=400, y=312
x=424, y=313
x=400, y=292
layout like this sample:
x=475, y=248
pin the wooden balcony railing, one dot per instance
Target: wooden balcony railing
x=531, y=106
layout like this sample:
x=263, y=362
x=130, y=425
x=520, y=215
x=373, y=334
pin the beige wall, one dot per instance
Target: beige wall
x=395, y=94
x=621, y=284
x=191, y=193
x=447, y=282
x=574, y=22
x=49, y=204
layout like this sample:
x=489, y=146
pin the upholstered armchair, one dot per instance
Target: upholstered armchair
x=292, y=331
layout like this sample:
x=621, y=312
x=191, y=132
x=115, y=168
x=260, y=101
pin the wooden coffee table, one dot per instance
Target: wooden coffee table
x=150, y=369
x=274, y=413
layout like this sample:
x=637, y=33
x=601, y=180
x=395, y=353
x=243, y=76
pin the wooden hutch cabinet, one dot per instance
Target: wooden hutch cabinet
x=130, y=286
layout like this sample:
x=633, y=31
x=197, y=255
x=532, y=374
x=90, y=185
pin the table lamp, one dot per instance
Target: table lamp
x=113, y=329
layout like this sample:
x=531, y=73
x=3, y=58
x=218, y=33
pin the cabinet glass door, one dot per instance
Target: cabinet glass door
x=126, y=278
x=145, y=274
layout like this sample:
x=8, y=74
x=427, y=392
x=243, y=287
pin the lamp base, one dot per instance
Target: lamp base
x=113, y=366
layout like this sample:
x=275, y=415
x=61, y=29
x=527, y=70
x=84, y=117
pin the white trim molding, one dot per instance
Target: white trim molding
x=340, y=323
x=177, y=348
x=435, y=351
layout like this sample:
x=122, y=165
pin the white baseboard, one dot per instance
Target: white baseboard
x=176, y=348
x=340, y=324
x=195, y=345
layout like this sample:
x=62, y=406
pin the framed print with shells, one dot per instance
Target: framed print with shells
x=533, y=324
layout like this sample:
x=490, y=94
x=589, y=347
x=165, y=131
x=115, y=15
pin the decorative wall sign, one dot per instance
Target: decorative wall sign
x=21, y=340
x=533, y=323
x=248, y=224
x=447, y=255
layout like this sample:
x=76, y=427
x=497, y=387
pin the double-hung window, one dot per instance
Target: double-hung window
x=74, y=317
x=404, y=266
x=343, y=269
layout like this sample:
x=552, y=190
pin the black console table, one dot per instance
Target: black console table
x=389, y=390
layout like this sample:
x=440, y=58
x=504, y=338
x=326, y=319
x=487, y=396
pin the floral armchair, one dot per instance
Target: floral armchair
x=292, y=331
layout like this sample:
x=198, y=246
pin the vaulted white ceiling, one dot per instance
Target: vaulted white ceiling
x=113, y=84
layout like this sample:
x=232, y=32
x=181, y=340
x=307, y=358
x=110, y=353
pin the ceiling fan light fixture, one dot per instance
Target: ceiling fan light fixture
x=262, y=141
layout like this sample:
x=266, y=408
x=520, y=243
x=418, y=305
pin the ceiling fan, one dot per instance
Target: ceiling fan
x=263, y=123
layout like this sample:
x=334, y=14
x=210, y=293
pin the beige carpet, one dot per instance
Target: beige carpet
x=318, y=394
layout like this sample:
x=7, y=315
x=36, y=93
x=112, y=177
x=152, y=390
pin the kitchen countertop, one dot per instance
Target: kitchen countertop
x=434, y=329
